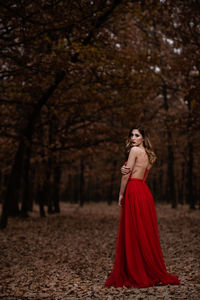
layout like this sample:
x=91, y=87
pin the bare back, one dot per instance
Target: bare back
x=141, y=165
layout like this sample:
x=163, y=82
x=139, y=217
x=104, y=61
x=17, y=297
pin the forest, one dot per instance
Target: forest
x=75, y=77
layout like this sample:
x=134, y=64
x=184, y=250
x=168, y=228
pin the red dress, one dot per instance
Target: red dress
x=139, y=260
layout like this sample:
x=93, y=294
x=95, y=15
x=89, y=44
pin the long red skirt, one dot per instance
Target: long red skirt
x=139, y=260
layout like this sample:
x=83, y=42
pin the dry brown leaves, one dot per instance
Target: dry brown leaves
x=69, y=256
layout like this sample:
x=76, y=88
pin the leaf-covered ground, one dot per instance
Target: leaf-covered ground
x=69, y=256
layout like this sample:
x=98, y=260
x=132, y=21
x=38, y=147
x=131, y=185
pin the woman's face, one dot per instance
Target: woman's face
x=136, y=138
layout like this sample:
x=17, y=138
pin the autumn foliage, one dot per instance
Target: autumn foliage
x=69, y=257
x=75, y=76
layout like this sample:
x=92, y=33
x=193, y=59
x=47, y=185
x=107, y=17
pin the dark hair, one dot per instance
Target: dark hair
x=139, y=128
x=147, y=144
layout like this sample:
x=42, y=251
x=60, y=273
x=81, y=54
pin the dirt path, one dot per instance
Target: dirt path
x=69, y=256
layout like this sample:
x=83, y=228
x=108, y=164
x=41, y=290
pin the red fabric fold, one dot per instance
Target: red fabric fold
x=139, y=260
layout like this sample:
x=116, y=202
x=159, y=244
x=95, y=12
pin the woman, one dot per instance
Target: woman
x=138, y=261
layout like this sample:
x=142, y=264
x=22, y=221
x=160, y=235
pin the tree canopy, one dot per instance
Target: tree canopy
x=75, y=76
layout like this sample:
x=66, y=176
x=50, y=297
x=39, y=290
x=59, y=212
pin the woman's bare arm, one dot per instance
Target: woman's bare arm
x=131, y=161
x=125, y=170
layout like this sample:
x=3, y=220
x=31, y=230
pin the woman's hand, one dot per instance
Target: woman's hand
x=121, y=200
x=125, y=170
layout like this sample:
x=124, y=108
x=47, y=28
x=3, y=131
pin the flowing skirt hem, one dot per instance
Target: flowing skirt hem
x=168, y=279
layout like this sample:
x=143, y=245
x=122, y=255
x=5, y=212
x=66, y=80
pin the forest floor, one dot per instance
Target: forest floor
x=69, y=256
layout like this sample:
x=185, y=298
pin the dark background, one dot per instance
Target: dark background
x=75, y=77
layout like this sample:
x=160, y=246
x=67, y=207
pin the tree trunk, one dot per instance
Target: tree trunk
x=76, y=188
x=1, y=185
x=40, y=198
x=32, y=174
x=170, y=191
x=181, y=185
x=155, y=189
x=56, y=195
x=112, y=180
x=69, y=192
x=82, y=183
x=171, y=186
x=191, y=198
x=160, y=184
x=10, y=205
x=49, y=182
x=26, y=182
x=190, y=194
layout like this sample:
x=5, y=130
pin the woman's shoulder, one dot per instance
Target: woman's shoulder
x=135, y=149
